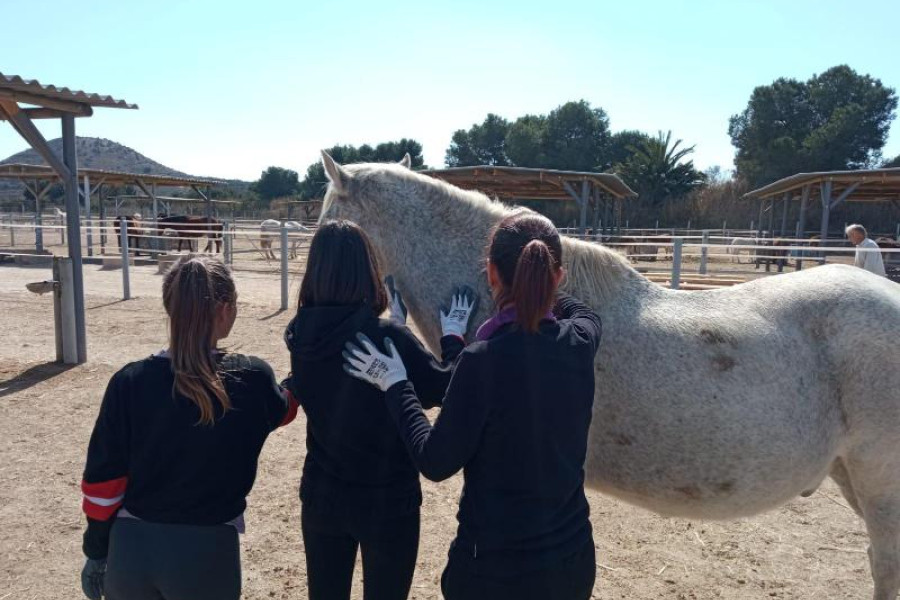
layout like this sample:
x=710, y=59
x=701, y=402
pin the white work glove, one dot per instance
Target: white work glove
x=397, y=307
x=370, y=365
x=456, y=320
x=92, y=578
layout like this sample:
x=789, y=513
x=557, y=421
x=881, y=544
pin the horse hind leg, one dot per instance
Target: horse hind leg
x=875, y=485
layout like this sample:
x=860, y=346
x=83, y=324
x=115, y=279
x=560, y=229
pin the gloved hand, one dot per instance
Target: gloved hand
x=456, y=320
x=371, y=366
x=92, y=578
x=397, y=307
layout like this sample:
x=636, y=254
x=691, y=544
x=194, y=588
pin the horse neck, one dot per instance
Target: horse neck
x=451, y=228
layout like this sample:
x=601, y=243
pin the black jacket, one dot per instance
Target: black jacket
x=355, y=457
x=149, y=455
x=515, y=419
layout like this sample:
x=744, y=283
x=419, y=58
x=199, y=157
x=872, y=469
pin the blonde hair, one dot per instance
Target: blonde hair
x=193, y=289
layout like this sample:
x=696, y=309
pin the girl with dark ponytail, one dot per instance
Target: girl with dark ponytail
x=174, y=451
x=515, y=419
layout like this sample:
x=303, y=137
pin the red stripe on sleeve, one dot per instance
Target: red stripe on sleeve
x=292, y=406
x=98, y=512
x=112, y=488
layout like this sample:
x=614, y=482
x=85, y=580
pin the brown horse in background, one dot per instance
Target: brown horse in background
x=189, y=228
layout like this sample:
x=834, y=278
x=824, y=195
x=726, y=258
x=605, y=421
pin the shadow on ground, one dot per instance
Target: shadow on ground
x=31, y=377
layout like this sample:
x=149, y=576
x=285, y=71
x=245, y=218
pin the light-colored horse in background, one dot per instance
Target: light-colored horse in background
x=270, y=230
x=712, y=404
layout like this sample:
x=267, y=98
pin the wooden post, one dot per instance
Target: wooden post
x=87, y=216
x=38, y=230
x=784, y=213
x=771, y=227
x=284, y=267
x=676, y=262
x=826, y=213
x=804, y=201
x=12, y=232
x=759, y=225
x=126, y=283
x=704, y=252
x=67, y=313
x=585, y=200
x=73, y=226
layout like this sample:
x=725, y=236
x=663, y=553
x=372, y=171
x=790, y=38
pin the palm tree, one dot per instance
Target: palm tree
x=656, y=171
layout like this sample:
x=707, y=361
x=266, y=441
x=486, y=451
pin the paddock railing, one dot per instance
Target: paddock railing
x=694, y=260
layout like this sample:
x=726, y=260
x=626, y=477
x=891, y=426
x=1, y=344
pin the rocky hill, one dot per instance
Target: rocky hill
x=96, y=153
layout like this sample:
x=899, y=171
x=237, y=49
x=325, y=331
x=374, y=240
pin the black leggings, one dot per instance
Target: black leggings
x=389, y=548
x=155, y=561
x=473, y=579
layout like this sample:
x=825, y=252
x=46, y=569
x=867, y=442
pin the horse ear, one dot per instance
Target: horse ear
x=406, y=161
x=336, y=174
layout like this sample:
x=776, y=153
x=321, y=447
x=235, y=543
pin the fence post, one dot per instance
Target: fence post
x=67, y=312
x=676, y=262
x=38, y=235
x=284, y=267
x=704, y=252
x=126, y=284
x=229, y=240
x=12, y=232
x=62, y=231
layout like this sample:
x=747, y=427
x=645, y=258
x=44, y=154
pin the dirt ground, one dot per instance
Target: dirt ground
x=810, y=548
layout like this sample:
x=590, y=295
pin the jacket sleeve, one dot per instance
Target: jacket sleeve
x=585, y=322
x=441, y=450
x=429, y=376
x=106, y=471
x=279, y=402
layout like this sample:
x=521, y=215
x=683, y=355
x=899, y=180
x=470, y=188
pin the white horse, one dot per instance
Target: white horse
x=270, y=229
x=711, y=404
x=735, y=248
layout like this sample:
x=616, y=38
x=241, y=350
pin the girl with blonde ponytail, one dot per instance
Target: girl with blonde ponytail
x=174, y=452
x=515, y=419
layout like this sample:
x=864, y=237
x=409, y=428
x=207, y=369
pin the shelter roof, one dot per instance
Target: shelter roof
x=31, y=91
x=524, y=183
x=872, y=185
x=42, y=172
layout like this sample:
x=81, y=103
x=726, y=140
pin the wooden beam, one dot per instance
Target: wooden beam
x=844, y=194
x=21, y=123
x=50, y=113
x=572, y=192
x=66, y=106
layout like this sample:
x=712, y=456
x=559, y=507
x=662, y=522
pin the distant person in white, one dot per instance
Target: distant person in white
x=868, y=254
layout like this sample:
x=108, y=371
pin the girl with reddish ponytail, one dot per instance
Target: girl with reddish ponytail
x=515, y=419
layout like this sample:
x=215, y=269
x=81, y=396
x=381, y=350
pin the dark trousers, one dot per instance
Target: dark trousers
x=155, y=561
x=389, y=547
x=474, y=579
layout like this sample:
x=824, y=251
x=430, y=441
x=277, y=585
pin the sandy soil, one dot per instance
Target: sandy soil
x=811, y=548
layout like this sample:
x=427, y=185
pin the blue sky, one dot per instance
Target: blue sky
x=226, y=89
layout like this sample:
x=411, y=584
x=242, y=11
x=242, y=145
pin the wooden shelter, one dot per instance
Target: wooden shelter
x=604, y=191
x=828, y=189
x=38, y=179
x=22, y=101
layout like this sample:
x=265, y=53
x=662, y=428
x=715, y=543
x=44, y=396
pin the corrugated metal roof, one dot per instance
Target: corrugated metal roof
x=33, y=87
x=43, y=172
x=521, y=182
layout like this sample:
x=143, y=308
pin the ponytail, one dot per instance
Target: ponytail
x=527, y=252
x=534, y=285
x=192, y=291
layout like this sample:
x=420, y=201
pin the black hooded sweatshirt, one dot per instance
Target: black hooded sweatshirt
x=355, y=457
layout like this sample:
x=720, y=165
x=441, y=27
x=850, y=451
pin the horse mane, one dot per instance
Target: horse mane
x=595, y=273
